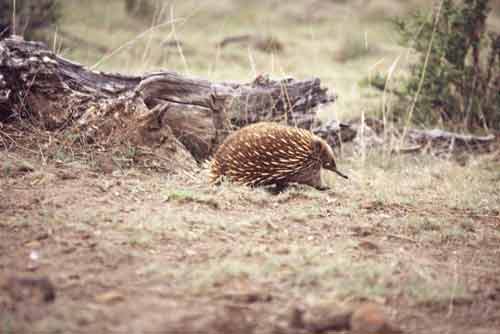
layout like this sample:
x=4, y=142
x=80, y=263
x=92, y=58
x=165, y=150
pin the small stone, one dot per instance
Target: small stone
x=369, y=246
x=36, y=289
x=67, y=175
x=370, y=319
x=34, y=255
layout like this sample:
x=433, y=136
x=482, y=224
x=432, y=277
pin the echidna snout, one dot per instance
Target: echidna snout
x=269, y=153
x=325, y=153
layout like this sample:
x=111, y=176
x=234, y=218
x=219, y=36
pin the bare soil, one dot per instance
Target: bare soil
x=138, y=252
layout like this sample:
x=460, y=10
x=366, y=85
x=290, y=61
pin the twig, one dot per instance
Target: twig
x=397, y=236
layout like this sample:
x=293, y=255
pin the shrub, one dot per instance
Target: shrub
x=456, y=79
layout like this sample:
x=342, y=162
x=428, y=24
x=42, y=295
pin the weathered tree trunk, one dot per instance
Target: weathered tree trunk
x=163, y=111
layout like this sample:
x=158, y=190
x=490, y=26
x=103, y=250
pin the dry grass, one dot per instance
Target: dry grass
x=403, y=231
x=344, y=42
x=411, y=232
x=331, y=45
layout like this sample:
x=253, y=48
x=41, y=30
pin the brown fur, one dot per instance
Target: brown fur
x=269, y=153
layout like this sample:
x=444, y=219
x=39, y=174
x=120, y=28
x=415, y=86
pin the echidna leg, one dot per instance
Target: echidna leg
x=322, y=187
x=280, y=186
x=316, y=181
x=277, y=188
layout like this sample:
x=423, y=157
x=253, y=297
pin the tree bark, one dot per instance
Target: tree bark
x=152, y=111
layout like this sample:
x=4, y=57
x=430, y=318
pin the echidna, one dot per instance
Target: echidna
x=269, y=153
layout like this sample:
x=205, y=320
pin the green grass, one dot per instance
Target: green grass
x=6, y=323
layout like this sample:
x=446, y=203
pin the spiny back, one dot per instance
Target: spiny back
x=265, y=153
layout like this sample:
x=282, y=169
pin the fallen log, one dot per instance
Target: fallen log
x=163, y=113
x=335, y=133
x=450, y=140
x=373, y=133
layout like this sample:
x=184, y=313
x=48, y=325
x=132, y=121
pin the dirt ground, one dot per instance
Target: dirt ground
x=137, y=252
x=90, y=248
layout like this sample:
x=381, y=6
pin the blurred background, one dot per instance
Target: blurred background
x=345, y=43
